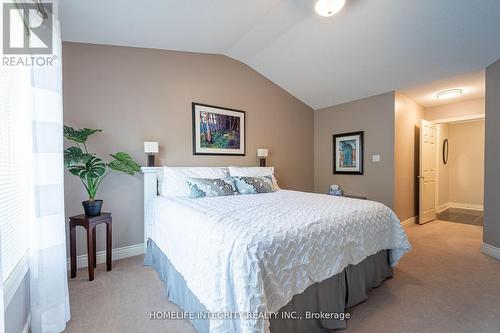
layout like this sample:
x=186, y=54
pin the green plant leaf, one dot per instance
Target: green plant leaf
x=124, y=163
x=94, y=168
x=74, y=156
x=76, y=170
x=78, y=135
x=89, y=168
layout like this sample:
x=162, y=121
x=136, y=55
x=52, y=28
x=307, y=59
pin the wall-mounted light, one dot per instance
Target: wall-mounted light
x=328, y=7
x=262, y=153
x=450, y=93
x=151, y=148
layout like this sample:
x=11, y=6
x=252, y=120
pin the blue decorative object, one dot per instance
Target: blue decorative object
x=335, y=190
x=205, y=187
x=254, y=185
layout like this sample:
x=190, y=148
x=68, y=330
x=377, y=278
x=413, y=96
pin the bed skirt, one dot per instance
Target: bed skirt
x=333, y=295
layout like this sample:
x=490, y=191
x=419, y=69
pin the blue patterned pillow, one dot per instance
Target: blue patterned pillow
x=254, y=185
x=206, y=187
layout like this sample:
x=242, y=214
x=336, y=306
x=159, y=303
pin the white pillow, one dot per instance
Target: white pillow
x=173, y=181
x=254, y=172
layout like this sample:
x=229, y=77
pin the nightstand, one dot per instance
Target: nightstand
x=90, y=223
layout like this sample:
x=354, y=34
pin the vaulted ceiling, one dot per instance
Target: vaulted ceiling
x=370, y=47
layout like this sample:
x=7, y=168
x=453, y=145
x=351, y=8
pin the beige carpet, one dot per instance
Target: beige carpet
x=445, y=284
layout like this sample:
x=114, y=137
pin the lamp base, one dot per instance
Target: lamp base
x=262, y=162
x=151, y=160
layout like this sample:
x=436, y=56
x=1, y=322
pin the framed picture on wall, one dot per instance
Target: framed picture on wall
x=348, y=153
x=218, y=131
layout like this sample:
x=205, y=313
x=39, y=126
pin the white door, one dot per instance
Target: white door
x=427, y=176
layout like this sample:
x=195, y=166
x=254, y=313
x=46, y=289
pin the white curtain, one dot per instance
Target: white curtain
x=2, y=322
x=31, y=99
x=15, y=172
x=48, y=273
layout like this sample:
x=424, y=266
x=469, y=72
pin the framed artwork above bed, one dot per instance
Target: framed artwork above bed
x=348, y=153
x=218, y=131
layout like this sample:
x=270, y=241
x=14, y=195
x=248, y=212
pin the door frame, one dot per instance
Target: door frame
x=456, y=119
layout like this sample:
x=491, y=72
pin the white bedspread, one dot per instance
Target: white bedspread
x=252, y=253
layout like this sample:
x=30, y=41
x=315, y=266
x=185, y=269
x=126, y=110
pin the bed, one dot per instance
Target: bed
x=257, y=263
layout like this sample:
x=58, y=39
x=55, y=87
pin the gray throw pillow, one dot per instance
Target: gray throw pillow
x=254, y=185
x=206, y=187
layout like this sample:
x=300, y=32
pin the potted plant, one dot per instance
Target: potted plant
x=90, y=168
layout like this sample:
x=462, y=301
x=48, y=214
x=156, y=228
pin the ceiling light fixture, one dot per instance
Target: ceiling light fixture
x=328, y=7
x=450, y=93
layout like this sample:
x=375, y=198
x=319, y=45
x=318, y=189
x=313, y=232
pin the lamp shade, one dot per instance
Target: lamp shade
x=262, y=152
x=151, y=147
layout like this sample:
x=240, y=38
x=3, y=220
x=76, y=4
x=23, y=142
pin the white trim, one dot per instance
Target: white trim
x=466, y=121
x=460, y=205
x=458, y=119
x=436, y=179
x=466, y=206
x=27, y=325
x=119, y=253
x=491, y=250
x=15, y=278
x=411, y=220
x=443, y=207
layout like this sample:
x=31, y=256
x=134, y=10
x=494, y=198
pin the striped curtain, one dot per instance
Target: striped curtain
x=2, y=321
x=15, y=174
x=48, y=274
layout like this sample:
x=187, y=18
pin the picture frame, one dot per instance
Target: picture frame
x=348, y=155
x=218, y=130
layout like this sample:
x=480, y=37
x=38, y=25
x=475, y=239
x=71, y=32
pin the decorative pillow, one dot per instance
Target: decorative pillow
x=173, y=180
x=254, y=172
x=206, y=187
x=254, y=185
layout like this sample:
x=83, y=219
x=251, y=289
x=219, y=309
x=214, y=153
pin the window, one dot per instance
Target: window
x=16, y=200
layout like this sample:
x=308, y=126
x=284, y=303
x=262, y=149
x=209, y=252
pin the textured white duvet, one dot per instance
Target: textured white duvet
x=251, y=253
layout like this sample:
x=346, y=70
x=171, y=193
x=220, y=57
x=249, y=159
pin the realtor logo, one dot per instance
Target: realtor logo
x=27, y=28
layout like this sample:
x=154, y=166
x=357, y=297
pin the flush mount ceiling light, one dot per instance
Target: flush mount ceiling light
x=450, y=93
x=328, y=7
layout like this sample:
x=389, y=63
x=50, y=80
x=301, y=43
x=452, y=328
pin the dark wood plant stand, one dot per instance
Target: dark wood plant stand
x=90, y=223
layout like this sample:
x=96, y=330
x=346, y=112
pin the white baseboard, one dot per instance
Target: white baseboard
x=443, y=207
x=460, y=205
x=27, y=325
x=491, y=250
x=119, y=253
x=466, y=206
x=411, y=220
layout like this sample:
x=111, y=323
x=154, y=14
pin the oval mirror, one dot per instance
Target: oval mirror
x=445, y=151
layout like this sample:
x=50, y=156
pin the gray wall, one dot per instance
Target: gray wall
x=406, y=162
x=138, y=95
x=374, y=116
x=17, y=312
x=492, y=157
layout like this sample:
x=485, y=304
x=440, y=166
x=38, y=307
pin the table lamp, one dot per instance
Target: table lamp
x=151, y=148
x=262, y=153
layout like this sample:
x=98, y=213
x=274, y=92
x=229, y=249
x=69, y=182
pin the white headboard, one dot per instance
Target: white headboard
x=151, y=178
